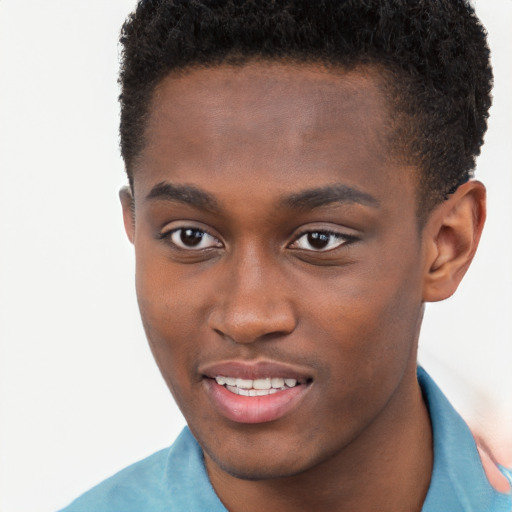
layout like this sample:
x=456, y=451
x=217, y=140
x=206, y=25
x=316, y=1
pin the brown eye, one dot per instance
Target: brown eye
x=190, y=237
x=319, y=241
x=193, y=239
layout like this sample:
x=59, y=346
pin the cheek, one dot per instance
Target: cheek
x=166, y=294
x=169, y=328
x=170, y=319
x=367, y=342
x=363, y=301
x=368, y=327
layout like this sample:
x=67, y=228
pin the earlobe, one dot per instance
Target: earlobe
x=452, y=235
x=126, y=197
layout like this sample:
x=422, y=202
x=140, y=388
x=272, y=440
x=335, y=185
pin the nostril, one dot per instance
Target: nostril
x=249, y=326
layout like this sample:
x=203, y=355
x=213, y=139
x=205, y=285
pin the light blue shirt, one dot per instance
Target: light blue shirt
x=175, y=479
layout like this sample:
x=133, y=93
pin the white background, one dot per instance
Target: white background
x=80, y=396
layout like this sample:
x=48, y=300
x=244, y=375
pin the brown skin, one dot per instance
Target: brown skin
x=251, y=137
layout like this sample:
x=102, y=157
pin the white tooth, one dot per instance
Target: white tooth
x=252, y=392
x=263, y=392
x=277, y=383
x=220, y=380
x=230, y=381
x=272, y=391
x=233, y=389
x=262, y=384
x=243, y=392
x=290, y=382
x=244, y=383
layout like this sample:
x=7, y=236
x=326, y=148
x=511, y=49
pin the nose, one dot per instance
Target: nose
x=252, y=303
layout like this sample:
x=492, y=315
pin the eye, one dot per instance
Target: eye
x=320, y=241
x=192, y=239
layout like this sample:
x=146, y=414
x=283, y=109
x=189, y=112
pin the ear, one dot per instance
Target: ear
x=126, y=197
x=452, y=234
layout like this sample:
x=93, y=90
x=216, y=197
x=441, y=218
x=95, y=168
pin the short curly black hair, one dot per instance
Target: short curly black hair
x=432, y=53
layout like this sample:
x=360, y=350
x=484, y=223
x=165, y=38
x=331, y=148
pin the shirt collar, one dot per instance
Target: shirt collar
x=458, y=480
x=190, y=488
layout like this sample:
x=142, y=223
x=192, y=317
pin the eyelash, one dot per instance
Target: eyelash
x=201, y=235
x=343, y=239
x=183, y=230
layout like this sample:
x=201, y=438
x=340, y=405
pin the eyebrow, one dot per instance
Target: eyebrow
x=316, y=197
x=304, y=200
x=187, y=194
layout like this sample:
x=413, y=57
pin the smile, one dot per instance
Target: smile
x=256, y=387
x=256, y=391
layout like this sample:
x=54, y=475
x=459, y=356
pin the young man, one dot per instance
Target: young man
x=300, y=185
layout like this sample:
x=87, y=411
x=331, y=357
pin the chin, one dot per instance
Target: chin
x=255, y=472
x=261, y=464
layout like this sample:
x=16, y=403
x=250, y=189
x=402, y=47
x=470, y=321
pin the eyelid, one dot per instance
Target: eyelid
x=346, y=239
x=170, y=229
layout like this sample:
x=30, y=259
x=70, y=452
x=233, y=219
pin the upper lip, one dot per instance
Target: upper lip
x=255, y=370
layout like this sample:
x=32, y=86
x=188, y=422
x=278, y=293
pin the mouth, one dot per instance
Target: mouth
x=255, y=393
x=256, y=387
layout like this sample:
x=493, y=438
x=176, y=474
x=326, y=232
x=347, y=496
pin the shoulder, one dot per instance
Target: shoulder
x=127, y=490
x=163, y=481
x=459, y=481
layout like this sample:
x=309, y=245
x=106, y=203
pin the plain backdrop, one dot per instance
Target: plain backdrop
x=80, y=396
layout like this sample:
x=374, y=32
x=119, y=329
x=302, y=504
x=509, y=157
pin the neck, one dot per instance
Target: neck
x=387, y=468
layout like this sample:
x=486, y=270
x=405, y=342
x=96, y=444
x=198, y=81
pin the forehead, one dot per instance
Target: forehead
x=310, y=94
x=280, y=123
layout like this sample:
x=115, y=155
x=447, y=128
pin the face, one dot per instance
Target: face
x=278, y=256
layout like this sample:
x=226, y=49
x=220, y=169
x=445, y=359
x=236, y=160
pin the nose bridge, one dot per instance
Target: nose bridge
x=252, y=301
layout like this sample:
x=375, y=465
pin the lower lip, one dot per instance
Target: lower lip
x=254, y=409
